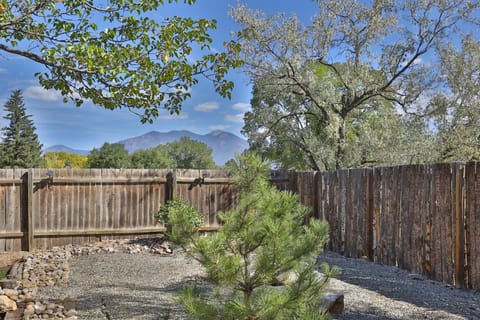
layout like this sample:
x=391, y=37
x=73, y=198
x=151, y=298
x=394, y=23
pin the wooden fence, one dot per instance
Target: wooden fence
x=80, y=205
x=423, y=218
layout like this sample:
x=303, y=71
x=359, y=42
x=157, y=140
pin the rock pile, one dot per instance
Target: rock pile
x=42, y=269
x=49, y=268
x=17, y=302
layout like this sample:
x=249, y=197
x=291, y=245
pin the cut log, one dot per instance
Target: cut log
x=333, y=303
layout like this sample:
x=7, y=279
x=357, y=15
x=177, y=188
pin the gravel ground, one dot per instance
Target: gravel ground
x=375, y=291
x=126, y=286
x=140, y=286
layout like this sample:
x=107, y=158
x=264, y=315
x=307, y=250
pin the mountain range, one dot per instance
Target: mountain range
x=223, y=144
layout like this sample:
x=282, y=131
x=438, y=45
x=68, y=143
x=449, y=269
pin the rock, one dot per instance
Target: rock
x=16, y=271
x=14, y=315
x=71, y=313
x=51, y=306
x=285, y=278
x=40, y=308
x=7, y=304
x=28, y=312
x=9, y=283
x=11, y=293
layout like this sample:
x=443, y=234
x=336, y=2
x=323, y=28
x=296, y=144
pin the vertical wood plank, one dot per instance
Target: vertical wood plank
x=472, y=209
x=11, y=194
x=3, y=207
x=369, y=243
x=459, y=227
x=31, y=235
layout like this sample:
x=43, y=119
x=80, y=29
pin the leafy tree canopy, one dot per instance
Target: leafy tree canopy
x=356, y=56
x=190, y=154
x=115, y=53
x=109, y=156
x=152, y=158
x=64, y=160
x=456, y=111
x=20, y=146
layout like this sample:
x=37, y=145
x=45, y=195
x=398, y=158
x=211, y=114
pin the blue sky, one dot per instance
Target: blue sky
x=90, y=126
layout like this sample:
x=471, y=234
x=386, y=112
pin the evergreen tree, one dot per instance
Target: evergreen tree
x=20, y=146
x=263, y=257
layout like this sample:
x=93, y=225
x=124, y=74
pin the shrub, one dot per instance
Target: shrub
x=181, y=221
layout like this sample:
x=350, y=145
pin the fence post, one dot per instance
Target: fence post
x=30, y=222
x=171, y=186
x=292, y=181
x=315, y=195
x=369, y=219
x=459, y=227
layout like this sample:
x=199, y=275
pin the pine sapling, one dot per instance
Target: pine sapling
x=263, y=257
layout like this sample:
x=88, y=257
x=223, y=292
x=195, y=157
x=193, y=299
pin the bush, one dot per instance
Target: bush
x=260, y=243
x=181, y=221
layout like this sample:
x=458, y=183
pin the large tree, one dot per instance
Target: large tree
x=157, y=157
x=117, y=53
x=20, y=146
x=290, y=132
x=110, y=155
x=456, y=109
x=353, y=58
x=187, y=153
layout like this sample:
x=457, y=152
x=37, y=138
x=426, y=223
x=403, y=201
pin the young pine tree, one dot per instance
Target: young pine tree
x=260, y=243
x=20, y=147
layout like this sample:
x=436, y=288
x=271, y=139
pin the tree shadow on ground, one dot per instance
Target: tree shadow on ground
x=126, y=300
x=401, y=285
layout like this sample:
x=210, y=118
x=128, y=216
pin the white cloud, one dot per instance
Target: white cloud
x=182, y=116
x=418, y=61
x=181, y=90
x=3, y=71
x=219, y=127
x=39, y=93
x=241, y=106
x=207, y=107
x=234, y=118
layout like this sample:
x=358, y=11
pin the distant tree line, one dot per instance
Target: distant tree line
x=183, y=154
x=20, y=148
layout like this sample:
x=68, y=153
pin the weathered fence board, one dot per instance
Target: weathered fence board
x=442, y=224
x=209, y=191
x=472, y=221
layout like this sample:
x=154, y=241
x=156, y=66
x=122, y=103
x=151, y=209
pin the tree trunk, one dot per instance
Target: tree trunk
x=340, y=153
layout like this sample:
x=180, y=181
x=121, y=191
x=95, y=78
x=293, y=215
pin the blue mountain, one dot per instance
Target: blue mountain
x=62, y=148
x=223, y=144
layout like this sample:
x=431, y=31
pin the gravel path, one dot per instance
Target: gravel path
x=140, y=286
